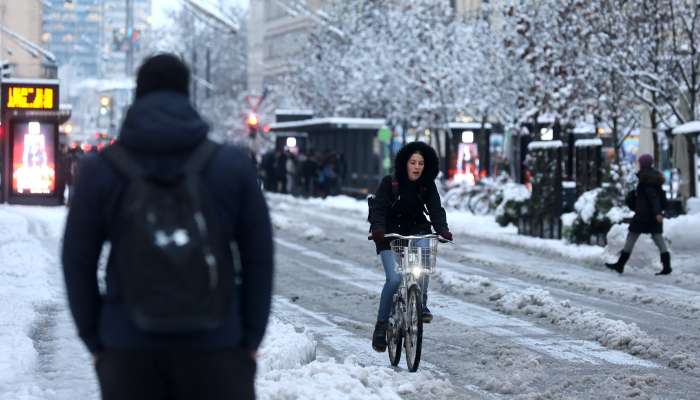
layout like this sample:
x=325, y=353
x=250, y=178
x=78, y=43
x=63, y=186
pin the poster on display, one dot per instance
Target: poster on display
x=33, y=158
x=467, y=168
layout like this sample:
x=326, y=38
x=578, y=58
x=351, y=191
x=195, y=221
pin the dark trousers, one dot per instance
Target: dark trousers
x=176, y=374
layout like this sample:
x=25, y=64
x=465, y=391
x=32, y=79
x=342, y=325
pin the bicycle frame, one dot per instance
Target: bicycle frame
x=415, y=256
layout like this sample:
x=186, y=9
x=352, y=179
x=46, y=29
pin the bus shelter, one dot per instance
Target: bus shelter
x=353, y=139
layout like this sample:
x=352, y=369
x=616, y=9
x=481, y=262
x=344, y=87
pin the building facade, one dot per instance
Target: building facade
x=71, y=31
x=20, y=40
x=93, y=36
x=275, y=34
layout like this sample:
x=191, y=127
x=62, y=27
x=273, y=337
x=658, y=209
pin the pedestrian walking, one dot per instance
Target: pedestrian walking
x=648, y=201
x=400, y=206
x=189, y=273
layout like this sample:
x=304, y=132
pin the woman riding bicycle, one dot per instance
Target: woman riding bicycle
x=400, y=205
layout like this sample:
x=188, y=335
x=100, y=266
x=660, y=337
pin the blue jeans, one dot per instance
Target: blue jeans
x=393, y=280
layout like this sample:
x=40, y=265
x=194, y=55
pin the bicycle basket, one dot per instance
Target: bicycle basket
x=412, y=253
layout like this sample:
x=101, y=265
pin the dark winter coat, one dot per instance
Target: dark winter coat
x=650, y=199
x=161, y=129
x=405, y=213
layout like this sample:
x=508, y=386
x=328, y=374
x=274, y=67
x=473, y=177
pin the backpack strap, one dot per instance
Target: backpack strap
x=125, y=164
x=200, y=156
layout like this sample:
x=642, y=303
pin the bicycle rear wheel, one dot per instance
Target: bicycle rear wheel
x=393, y=336
x=414, y=328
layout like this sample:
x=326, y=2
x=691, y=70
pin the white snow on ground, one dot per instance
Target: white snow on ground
x=287, y=367
x=24, y=287
x=307, y=231
x=534, y=301
x=284, y=348
x=539, y=303
x=682, y=234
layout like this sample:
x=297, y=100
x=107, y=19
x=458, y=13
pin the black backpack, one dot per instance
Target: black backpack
x=371, y=199
x=174, y=273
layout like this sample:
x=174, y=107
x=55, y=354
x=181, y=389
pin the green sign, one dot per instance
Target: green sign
x=384, y=135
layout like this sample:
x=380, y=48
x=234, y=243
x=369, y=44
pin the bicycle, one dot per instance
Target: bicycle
x=415, y=256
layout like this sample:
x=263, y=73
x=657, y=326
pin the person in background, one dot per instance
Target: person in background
x=648, y=201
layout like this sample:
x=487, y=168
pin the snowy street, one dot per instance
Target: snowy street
x=518, y=320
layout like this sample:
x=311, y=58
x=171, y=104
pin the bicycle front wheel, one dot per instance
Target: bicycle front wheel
x=413, y=340
x=393, y=336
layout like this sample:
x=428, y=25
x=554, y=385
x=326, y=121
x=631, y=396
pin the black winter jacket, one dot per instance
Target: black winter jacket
x=405, y=212
x=161, y=129
x=650, y=202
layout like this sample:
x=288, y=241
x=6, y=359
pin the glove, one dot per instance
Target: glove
x=446, y=234
x=378, y=235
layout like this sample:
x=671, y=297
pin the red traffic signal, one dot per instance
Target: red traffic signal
x=253, y=124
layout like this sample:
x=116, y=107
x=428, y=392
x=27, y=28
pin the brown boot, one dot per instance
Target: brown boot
x=666, y=262
x=619, y=266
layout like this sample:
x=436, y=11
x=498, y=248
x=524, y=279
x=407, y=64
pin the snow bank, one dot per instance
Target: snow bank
x=284, y=348
x=325, y=380
x=610, y=333
x=288, y=369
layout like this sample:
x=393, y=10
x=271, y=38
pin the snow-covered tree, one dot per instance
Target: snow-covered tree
x=218, y=61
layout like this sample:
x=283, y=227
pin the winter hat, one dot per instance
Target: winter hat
x=163, y=72
x=645, y=161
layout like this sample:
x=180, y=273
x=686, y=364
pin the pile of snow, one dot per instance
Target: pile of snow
x=288, y=369
x=325, y=380
x=683, y=233
x=585, y=205
x=515, y=192
x=610, y=333
x=284, y=348
x=463, y=284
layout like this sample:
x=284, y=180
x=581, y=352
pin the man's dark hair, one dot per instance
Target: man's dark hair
x=163, y=72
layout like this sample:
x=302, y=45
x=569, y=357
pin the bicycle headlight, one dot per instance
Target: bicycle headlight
x=416, y=271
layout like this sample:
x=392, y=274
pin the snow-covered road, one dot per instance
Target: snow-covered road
x=522, y=319
x=511, y=320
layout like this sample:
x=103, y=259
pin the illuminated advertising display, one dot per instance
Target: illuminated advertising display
x=24, y=96
x=33, y=168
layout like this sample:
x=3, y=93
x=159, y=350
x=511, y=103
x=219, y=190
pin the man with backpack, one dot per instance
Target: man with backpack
x=189, y=273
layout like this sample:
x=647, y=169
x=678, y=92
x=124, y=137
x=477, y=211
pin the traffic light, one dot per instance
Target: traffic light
x=253, y=124
x=105, y=103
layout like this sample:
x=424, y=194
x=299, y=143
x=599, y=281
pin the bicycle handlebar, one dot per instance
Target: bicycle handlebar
x=415, y=237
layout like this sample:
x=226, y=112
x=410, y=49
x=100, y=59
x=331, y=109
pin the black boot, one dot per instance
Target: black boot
x=427, y=315
x=666, y=262
x=619, y=266
x=379, y=337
